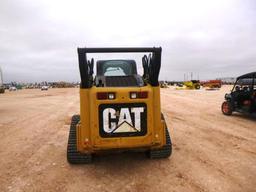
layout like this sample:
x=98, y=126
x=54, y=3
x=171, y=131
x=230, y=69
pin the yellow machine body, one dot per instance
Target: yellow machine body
x=120, y=110
x=88, y=135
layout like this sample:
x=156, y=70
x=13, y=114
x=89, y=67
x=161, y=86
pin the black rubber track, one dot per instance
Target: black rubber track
x=163, y=152
x=73, y=156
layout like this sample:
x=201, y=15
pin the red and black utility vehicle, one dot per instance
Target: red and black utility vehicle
x=242, y=98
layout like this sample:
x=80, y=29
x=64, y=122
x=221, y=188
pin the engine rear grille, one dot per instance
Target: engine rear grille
x=121, y=81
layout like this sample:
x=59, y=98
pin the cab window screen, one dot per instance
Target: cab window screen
x=245, y=82
x=117, y=68
x=114, y=71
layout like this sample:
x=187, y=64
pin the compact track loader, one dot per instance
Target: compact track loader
x=193, y=84
x=119, y=109
x=188, y=85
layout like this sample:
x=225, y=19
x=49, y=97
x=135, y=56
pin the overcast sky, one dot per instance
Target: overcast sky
x=38, y=39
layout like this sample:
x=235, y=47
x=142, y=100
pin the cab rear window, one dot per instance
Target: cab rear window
x=114, y=71
x=116, y=68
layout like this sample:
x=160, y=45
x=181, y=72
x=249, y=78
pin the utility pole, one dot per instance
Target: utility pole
x=1, y=77
x=1, y=82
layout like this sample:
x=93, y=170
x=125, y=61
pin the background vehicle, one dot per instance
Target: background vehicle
x=12, y=88
x=44, y=88
x=18, y=86
x=193, y=84
x=242, y=97
x=163, y=84
x=119, y=109
x=212, y=84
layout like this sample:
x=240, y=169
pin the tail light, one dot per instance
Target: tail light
x=133, y=95
x=106, y=95
x=111, y=96
x=139, y=95
x=247, y=102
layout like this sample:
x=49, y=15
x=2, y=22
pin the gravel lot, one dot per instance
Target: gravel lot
x=211, y=152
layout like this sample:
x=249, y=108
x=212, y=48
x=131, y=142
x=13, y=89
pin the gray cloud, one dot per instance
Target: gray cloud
x=38, y=39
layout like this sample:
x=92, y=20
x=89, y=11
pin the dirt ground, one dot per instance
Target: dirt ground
x=211, y=152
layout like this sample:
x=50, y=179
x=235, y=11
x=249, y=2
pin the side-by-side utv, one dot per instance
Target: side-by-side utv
x=119, y=109
x=242, y=97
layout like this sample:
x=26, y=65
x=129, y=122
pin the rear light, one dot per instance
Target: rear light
x=139, y=95
x=105, y=95
x=102, y=96
x=133, y=95
x=143, y=94
x=247, y=102
x=111, y=95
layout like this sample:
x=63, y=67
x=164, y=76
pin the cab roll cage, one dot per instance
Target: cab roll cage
x=151, y=63
x=248, y=75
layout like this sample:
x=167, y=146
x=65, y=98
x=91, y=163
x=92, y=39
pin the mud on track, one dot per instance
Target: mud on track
x=211, y=152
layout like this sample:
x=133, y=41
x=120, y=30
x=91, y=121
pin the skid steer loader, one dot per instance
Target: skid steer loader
x=119, y=109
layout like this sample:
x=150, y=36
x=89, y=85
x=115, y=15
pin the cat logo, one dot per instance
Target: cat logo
x=122, y=119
